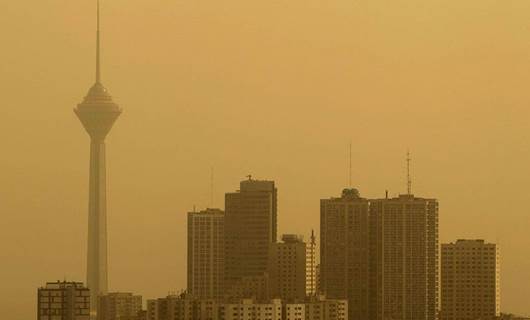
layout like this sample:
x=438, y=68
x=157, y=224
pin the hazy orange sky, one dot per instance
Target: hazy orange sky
x=272, y=88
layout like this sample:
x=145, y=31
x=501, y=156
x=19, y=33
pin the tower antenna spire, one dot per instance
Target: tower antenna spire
x=98, y=46
x=409, y=179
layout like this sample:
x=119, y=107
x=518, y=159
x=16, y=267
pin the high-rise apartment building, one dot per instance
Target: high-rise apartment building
x=381, y=255
x=311, y=266
x=404, y=258
x=250, y=230
x=206, y=256
x=470, y=281
x=288, y=268
x=344, y=251
x=120, y=306
x=63, y=301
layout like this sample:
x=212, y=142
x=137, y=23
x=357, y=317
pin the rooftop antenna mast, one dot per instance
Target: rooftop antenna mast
x=350, y=173
x=409, y=179
x=211, y=187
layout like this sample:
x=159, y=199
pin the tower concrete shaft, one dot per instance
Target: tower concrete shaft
x=97, y=114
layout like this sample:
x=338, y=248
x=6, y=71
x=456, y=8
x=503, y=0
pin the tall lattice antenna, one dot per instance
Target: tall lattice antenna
x=350, y=173
x=409, y=179
x=211, y=186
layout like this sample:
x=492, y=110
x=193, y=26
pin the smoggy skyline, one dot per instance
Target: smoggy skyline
x=277, y=90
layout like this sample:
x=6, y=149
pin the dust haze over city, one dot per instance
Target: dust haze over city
x=273, y=89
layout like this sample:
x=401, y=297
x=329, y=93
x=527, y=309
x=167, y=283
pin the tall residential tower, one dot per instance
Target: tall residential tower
x=97, y=113
x=344, y=251
x=470, y=280
x=251, y=229
x=404, y=258
x=206, y=240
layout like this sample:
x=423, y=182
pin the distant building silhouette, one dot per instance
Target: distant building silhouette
x=97, y=113
x=250, y=229
x=120, y=306
x=206, y=258
x=344, y=251
x=288, y=268
x=63, y=300
x=470, y=280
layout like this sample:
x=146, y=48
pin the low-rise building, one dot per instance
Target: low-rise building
x=248, y=309
x=63, y=301
x=172, y=307
x=320, y=308
x=120, y=306
x=294, y=311
x=185, y=307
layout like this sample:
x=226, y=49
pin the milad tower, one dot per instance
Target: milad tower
x=97, y=113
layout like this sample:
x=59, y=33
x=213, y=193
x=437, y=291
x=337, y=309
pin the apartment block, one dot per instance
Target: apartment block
x=120, y=306
x=63, y=300
x=288, y=268
x=344, y=251
x=250, y=229
x=206, y=254
x=470, y=280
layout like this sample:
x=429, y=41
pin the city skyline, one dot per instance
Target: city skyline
x=455, y=99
